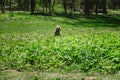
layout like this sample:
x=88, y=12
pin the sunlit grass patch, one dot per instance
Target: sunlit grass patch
x=27, y=42
x=85, y=51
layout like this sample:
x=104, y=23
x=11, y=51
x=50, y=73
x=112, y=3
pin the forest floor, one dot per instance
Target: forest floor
x=38, y=75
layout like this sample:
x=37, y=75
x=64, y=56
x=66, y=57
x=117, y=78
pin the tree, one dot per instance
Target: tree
x=104, y=6
x=113, y=4
x=65, y=6
x=10, y=5
x=53, y=4
x=2, y=6
x=96, y=6
x=32, y=6
x=26, y=4
x=20, y=4
x=87, y=7
x=47, y=6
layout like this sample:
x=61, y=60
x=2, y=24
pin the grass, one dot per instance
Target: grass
x=88, y=44
x=28, y=75
x=25, y=22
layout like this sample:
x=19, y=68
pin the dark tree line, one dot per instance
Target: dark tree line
x=48, y=6
x=2, y=6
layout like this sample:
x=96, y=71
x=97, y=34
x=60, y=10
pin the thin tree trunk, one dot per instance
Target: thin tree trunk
x=96, y=7
x=3, y=6
x=87, y=7
x=49, y=6
x=20, y=5
x=65, y=7
x=104, y=7
x=10, y=6
x=32, y=6
x=72, y=6
x=43, y=5
x=53, y=5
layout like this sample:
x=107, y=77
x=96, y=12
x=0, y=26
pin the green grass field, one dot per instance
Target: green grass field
x=27, y=44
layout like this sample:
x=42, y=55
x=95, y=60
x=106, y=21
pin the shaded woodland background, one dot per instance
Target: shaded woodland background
x=49, y=7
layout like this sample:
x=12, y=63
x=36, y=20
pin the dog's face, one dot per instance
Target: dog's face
x=58, y=28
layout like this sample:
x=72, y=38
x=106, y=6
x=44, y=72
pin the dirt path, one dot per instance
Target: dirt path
x=37, y=75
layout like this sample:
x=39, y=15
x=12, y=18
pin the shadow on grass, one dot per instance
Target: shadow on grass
x=93, y=21
x=78, y=20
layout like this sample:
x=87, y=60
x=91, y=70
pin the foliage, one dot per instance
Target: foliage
x=80, y=49
x=84, y=52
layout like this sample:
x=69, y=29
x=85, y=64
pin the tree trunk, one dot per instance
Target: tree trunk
x=72, y=6
x=20, y=5
x=87, y=7
x=3, y=6
x=26, y=4
x=104, y=7
x=65, y=6
x=96, y=7
x=7, y=2
x=32, y=6
x=10, y=6
x=43, y=6
x=53, y=4
x=49, y=6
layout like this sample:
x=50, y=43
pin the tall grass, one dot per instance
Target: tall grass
x=28, y=43
x=84, y=52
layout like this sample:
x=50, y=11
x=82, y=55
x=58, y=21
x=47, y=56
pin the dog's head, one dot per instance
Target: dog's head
x=58, y=28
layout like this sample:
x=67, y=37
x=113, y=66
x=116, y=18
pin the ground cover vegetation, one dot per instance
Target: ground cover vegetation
x=89, y=41
x=27, y=42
